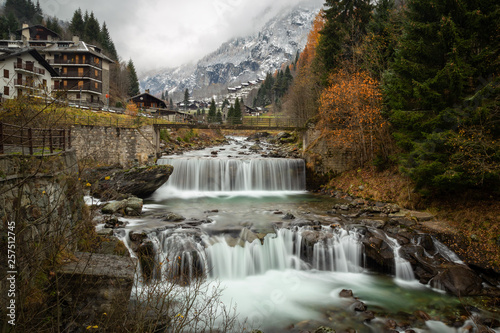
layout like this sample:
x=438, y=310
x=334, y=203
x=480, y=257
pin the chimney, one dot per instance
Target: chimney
x=25, y=31
x=76, y=39
x=147, y=91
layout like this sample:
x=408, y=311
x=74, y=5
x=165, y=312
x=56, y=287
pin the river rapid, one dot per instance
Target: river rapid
x=249, y=218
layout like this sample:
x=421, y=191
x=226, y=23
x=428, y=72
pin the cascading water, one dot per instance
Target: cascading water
x=404, y=271
x=233, y=175
x=278, y=272
x=180, y=253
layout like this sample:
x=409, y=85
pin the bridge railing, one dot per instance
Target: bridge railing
x=30, y=141
x=266, y=122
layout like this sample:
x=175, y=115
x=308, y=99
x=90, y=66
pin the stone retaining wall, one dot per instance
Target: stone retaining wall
x=114, y=145
x=322, y=158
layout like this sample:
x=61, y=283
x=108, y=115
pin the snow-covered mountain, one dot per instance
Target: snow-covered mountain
x=240, y=59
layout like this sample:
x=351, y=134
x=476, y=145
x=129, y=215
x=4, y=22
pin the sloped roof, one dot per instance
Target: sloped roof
x=73, y=47
x=9, y=53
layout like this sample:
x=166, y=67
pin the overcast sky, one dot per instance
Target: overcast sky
x=157, y=34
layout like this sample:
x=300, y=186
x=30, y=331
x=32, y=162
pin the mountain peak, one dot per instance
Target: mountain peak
x=240, y=59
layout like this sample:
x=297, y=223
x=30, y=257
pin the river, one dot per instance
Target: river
x=247, y=225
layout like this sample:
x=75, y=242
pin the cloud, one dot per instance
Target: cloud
x=157, y=34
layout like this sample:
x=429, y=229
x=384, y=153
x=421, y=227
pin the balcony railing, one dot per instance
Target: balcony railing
x=85, y=75
x=74, y=62
x=74, y=87
x=30, y=67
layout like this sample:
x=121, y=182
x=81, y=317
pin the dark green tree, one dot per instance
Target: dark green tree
x=92, y=29
x=77, y=25
x=107, y=43
x=230, y=114
x=212, y=112
x=134, y=82
x=218, y=117
x=186, y=99
x=53, y=24
x=345, y=26
x=237, y=112
x=447, y=57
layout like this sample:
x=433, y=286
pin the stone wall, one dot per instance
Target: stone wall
x=114, y=145
x=41, y=203
x=322, y=158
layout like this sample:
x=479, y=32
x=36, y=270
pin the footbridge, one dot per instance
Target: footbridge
x=252, y=124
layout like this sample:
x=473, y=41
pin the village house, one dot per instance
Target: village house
x=24, y=72
x=83, y=70
x=147, y=101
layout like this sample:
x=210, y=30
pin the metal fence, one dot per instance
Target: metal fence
x=32, y=141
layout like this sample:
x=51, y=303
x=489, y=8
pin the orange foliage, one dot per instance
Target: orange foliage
x=350, y=113
x=309, y=53
x=131, y=109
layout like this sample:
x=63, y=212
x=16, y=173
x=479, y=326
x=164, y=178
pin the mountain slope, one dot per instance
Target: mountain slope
x=240, y=59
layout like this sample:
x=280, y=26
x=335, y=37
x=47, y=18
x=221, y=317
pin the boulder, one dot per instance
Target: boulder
x=173, y=217
x=112, y=207
x=346, y=293
x=131, y=206
x=458, y=280
x=140, y=182
x=255, y=148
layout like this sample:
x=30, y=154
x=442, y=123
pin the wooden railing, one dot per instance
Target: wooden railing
x=29, y=140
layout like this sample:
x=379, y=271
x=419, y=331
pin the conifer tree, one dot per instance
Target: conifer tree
x=237, y=111
x=444, y=60
x=77, y=25
x=345, y=26
x=212, y=112
x=134, y=82
x=92, y=29
x=107, y=43
x=230, y=114
x=186, y=99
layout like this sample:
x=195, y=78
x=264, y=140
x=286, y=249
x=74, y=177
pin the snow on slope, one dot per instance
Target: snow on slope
x=240, y=59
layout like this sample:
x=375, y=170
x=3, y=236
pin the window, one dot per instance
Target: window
x=96, y=85
x=44, y=83
x=80, y=84
x=65, y=70
x=96, y=60
x=96, y=73
x=6, y=73
x=6, y=91
x=65, y=83
x=80, y=71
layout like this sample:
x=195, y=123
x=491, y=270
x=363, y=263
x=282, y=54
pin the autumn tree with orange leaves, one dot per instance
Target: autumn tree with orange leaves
x=301, y=100
x=350, y=114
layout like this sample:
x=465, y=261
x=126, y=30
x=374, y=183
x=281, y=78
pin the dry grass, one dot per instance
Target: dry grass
x=471, y=220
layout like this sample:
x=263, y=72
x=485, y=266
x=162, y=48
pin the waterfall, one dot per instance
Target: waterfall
x=186, y=255
x=229, y=174
x=404, y=270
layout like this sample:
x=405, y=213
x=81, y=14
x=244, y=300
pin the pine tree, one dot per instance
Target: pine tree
x=92, y=29
x=444, y=60
x=345, y=26
x=218, y=117
x=77, y=25
x=134, y=82
x=237, y=112
x=230, y=114
x=186, y=99
x=171, y=104
x=212, y=112
x=107, y=43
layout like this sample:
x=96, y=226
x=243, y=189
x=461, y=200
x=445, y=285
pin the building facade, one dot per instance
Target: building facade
x=24, y=72
x=83, y=71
